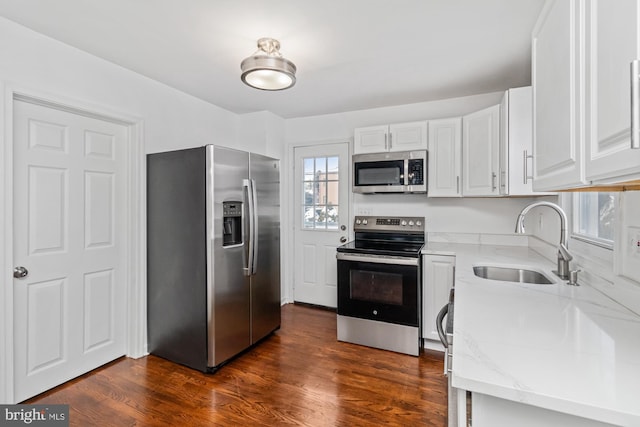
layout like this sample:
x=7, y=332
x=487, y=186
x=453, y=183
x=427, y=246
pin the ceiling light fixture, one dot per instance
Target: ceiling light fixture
x=267, y=69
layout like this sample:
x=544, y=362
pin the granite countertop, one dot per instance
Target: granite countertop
x=566, y=348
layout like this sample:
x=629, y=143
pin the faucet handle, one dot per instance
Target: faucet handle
x=565, y=252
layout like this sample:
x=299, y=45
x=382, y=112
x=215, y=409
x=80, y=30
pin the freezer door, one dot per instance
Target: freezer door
x=229, y=303
x=265, y=282
x=176, y=257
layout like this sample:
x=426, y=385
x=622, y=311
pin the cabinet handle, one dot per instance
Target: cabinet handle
x=493, y=181
x=458, y=184
x=390, y=141
x=503, y=179
x=635, y=104
x=385, y=141
x=525, y=166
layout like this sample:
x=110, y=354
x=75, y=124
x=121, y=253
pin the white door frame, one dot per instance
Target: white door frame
x=135, y=269
x=288, y=232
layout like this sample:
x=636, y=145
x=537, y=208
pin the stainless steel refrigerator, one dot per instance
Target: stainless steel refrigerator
x=213, y=253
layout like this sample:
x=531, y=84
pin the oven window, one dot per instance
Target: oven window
x=376, y=287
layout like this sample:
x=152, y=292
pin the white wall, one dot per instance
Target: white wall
x=264, y=132
x=40, y=66
x=449, y=215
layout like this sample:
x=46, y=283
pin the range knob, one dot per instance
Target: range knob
x=418, y=223
x=403, y=223
x=357, y=222
x=410, y=223
x=365, y=222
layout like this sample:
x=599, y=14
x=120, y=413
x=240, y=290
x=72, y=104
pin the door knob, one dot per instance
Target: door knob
x=20, y=272
x=343, y=227
x=342, y=240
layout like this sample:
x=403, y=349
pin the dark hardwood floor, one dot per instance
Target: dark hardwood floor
x=299, y=376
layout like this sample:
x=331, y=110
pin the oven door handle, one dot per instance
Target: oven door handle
x=378, y=259
x=439, y=319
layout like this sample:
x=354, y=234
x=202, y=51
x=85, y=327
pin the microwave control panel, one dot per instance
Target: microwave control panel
x=416, y=172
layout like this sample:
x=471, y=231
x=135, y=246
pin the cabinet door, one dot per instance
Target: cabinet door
x=408, y=136
x=611, y=44
x=480, y=152
x=557, y=97
x=503, y=167
x=438, y=276
x=519, y=142
x=445, y=157
x=372, y=139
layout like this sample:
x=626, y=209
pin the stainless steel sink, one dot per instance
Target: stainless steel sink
x=508, y=274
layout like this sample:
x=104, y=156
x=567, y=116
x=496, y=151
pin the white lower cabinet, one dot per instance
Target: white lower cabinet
x=489, y=411
x=437, y=279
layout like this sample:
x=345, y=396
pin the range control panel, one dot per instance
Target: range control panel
x=387, y=223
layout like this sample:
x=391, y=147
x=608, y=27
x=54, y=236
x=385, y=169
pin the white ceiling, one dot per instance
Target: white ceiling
x=350, y=54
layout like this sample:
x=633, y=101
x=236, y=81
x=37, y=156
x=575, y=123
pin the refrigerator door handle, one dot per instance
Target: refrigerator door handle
x=254, y=228
x=248, y=195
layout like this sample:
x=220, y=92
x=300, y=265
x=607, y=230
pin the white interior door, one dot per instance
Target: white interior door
x=321, y=220
x=69, y=235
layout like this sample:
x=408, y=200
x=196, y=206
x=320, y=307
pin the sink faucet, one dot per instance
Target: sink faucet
x=563, y=253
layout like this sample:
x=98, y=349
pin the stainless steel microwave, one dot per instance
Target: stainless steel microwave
x=395, y=172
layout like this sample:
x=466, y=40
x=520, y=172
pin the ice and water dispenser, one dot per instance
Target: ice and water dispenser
x=231, y=223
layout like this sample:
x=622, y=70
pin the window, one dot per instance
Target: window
x=320, y=197
x=594, y=217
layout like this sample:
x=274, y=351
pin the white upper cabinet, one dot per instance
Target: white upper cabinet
x=480, y=152
x=516, y=143
x=373, y=139
x=558, y=97
x=611, y=40
x=445, y=158
x=395, y=137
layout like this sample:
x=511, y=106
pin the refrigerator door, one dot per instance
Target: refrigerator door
x=265, y=281
x=229, y=301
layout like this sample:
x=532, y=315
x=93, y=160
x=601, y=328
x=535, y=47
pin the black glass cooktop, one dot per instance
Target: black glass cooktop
x=377, y=247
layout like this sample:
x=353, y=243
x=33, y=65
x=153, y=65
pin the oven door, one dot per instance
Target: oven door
x=379, y=288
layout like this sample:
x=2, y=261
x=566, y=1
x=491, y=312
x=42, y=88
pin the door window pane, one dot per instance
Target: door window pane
x=332, y=217
x=320, y=186
x=309, y=168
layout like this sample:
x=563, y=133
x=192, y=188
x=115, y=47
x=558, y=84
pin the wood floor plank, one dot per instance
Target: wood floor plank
x=300, y=376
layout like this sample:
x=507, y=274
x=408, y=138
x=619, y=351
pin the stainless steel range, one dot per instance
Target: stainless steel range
x=379, y=283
